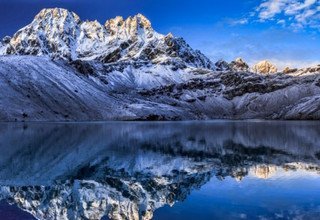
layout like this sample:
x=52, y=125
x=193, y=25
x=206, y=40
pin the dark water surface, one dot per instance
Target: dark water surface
x=163, y=170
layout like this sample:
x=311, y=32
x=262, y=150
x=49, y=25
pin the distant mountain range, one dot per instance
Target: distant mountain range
x=61, y=68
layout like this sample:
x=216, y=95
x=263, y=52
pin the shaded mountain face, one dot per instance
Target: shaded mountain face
x=129, y=170
x=58, y=33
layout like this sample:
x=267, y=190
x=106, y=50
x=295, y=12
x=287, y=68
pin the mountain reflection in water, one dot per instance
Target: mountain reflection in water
x=141, y=170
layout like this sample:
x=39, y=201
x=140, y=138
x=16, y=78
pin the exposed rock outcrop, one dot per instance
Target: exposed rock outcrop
x=239, y=65
x=222, y=65
x=6, y=40
x=289, y=70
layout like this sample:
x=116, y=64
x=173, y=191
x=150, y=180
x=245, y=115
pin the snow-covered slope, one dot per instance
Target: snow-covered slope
x=39, y=89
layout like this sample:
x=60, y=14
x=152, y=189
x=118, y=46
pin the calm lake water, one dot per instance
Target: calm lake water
x=160, y=170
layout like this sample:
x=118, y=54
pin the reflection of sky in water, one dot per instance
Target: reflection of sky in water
x=295, y=195
x=181, y=170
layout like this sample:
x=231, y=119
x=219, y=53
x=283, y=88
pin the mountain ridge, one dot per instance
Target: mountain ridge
x=58, y=33
x=59, y=68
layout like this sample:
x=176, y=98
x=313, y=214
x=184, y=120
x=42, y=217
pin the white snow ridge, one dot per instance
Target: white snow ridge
x=60, y=68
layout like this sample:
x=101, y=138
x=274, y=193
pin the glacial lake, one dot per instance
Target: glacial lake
x=160, y=170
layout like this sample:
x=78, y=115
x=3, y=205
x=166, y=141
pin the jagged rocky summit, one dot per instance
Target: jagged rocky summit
x=62, y=68
x=58, y=33
x=238, y=65
x=265, y=67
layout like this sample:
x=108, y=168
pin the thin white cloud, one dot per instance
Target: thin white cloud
x=296, y=13
x=281, y=21
x=238, y=21
x=296, y=7
x=268, y=9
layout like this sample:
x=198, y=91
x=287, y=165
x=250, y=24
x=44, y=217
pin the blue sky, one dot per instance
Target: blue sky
x=283, y=31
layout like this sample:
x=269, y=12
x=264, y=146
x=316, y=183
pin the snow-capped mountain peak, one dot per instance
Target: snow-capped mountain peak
x=53, y=32
x=56, y=15
x=129, y=28
x=58, y=33
x=264, y=67
x=138, y=19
